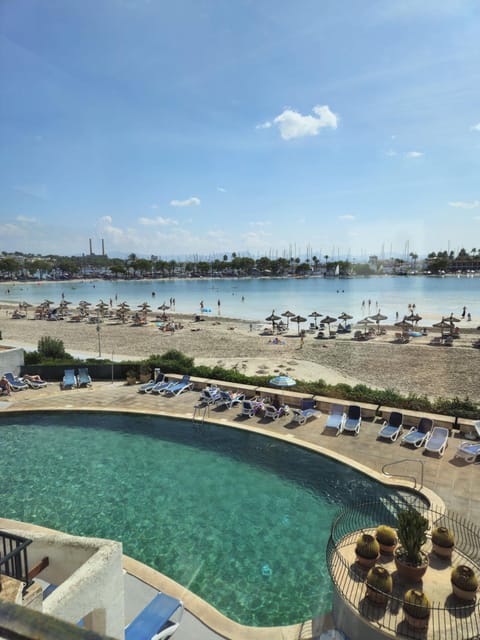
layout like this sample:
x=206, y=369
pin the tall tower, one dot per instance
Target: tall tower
x=103, y=247
x=90, y=243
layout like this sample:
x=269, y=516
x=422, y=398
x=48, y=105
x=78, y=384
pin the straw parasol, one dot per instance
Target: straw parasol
x=315, y=315
x=328, y=320
x=164, y=307
x=444, y=325
x=365, y=322
x=378, y=317
x=288, y=314
x=414, y=317
x=272, y=318
x=298, y=320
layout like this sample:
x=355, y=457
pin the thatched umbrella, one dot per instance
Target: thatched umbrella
x=163, y=307
x=315, y=315
x=345, y=316
x=414, y=317
x=378, y=317
x=298, y=320
x=444, y=325
x=404, y=324
x=288, y=315
x=328, y=320
x=272, y=318
x=365, y=322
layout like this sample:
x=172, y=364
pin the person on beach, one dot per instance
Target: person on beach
x=469, y=317
x=5, y=386
x=33, y=378
x=464, y=312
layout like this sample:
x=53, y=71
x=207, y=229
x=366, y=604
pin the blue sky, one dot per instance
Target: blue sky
x=199, y=127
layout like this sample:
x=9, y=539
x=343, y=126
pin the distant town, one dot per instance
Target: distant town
x=26, y=266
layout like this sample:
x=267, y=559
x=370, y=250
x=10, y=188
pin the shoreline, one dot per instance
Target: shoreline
x=414, y=368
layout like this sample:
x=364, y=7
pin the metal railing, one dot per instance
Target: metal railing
x=200, y=411
x=13, y=558
x=397, y=475
x=449, y=619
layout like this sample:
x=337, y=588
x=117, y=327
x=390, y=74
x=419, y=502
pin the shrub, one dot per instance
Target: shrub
x=49, y=347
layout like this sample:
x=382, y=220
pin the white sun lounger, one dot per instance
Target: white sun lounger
x=438, y=441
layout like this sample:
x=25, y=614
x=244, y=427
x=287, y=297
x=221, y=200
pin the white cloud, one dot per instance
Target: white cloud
x=460, y=204
x=264, y=125
x=260, y=223
x=194, y=201
x=221, y=189
x=25, y=219
x=159, y=221
x=294, y=125
x=414, y=154
x=347, y=216
x=475, y=127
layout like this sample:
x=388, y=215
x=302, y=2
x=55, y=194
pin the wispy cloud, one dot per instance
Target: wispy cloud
x=414, y=154
x=221, y=189
x=158, y=221
x=461, y=204
x=475, y=127
x=194, y=201
x=25, y=219
x=347, y=216
x=260, y=223
x=39, y=191
x=293, y=124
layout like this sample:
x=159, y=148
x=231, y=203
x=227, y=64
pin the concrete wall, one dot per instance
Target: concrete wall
x=89, y=575
x=11, y=359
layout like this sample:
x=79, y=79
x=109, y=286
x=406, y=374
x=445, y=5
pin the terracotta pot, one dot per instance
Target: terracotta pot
x=416, y=623
x=409, y=572
x=368, y=563
x=443, y=552
x=470, y=596
x=377, y=597
x=388, y=550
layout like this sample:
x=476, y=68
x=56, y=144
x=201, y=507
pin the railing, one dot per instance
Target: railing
x=13, y=558
x=200, y=411
x=397, y=475
x=449, y=619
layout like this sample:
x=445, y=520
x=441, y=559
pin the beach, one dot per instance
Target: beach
x=416, y=367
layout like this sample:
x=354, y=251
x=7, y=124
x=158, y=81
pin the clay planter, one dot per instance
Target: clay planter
x=464, y=583
x=387, y=539
x=409, y=572
x=379, y=585
x=416, y=623
x=443, y=542
x=443, y=552
x=367, y=550
x=416, y=609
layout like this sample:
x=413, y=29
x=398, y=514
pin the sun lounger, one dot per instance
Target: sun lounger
x=83, y=378
x=69, y=379
x=179, y=387
x=273, y=412
x=229, y=399
x=418, y=436
x=392, y=427
x=34, y=384
x=306, y=411
x=438, y=441
x=353, y=420
x=250, y=408
x=158, y=621
x=15, y=383
x=159, y=387
x=468, y=451
x=336, y=418
x=210, y=395
x=148, y=386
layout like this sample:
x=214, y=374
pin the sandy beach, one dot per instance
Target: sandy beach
x=416, y=367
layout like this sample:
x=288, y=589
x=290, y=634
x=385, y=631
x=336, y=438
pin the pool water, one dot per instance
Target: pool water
x=240, y=519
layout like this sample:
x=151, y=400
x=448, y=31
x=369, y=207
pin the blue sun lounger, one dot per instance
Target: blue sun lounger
x=69, y=379
x=84, y=379
x=392, y=428
x=336, y=419
x=353, y=421
x=158, y=621
x=306, y=411
x=16, y=383
x=148, y=387
x=179, y=387
x=418, y=436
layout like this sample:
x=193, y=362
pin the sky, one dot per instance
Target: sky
x=261, y=127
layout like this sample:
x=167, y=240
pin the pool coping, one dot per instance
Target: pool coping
x=198, y=607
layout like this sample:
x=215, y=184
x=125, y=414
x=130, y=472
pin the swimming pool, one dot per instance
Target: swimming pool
x=240, y=519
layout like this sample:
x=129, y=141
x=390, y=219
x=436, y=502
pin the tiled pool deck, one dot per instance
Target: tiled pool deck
x=454, y=481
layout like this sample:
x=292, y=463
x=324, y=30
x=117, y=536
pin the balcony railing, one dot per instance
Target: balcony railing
x=13, y=558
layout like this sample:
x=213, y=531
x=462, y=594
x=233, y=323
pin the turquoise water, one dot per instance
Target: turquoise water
x=240, y=519
x=433, y=297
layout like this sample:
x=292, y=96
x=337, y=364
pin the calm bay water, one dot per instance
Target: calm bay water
x=254, y=298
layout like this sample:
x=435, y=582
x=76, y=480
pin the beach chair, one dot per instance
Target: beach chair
x=418, y=436
x=229, y=399
x=148, y=386
x=468, y=451
x=34, y=384
x=336, y=418
x=178, y=387
x=392, y=427
x=158, y=621
x=210, y=395
x=69, y=379
x=83, y=378
x=353, y=420
x=438, y=441
x=273, y=413
x=159, y=387
x=15, y=383
x=306, y=411
x=250, y=407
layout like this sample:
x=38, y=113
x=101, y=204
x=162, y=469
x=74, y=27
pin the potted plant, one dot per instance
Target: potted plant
x=416, y=607
x=410, y=560
x=131, y=376
x=464, y=582
x=367, y=550
x=387, y=538
x=443, y=542
x=379, y=585
x=145, y=372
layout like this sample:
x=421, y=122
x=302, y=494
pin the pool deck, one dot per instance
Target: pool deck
x=452, y=480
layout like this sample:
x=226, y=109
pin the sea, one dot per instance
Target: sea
x=254, y=299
